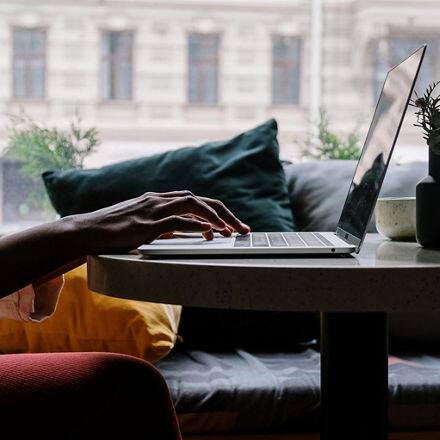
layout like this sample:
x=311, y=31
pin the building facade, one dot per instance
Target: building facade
x=173, y=72
x=154, y=75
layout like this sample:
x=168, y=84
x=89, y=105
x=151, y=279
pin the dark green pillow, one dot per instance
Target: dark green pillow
x=244, y=172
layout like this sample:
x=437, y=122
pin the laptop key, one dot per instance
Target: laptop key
x=324, y=240
x=259, y=239
x=276, y=239
x=293, y=239
x=310, y=239
x=242, y=241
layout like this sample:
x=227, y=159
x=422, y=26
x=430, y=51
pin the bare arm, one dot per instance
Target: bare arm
x=30, y=255
x=38, y=254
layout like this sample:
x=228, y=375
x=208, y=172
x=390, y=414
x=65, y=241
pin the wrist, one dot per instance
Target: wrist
x=77, y=231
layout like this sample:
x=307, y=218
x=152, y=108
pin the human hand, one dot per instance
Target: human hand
x=129, y=224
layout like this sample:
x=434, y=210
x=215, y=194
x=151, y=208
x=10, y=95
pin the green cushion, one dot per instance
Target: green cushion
x=244, y=172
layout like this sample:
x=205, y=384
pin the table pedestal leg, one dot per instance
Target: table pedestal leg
x=354, y=376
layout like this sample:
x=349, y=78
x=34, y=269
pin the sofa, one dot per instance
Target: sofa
x=256, y=375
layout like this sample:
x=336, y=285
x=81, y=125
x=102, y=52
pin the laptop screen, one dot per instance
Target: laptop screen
x=379, y=144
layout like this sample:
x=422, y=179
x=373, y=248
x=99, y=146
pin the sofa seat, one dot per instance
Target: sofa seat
x=238, y=391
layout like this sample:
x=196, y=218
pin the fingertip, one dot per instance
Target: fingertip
x=245, y=228
x=205, y=226
x=227, y=232
x=221, y=225
x=208, y=235
x=167, y=236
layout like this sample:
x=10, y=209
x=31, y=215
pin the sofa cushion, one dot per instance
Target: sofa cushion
x=317, y=190
x=244, y=172
x=88, y=321
x=242, y=391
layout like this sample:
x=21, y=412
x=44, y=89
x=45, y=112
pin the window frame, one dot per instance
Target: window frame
x=219, y=91
x=300, y=39
x=28, y=98
x=402, y=34
x=103, y=98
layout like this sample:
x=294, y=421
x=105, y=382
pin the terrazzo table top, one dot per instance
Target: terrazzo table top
x=384, y=276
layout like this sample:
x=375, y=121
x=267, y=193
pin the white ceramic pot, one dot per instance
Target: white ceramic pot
x=396, y=217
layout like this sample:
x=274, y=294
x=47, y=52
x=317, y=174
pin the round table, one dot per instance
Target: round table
x=353, y=293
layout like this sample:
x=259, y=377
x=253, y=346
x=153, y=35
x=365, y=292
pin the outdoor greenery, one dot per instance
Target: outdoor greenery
x=326, y=144
x=428, y=116
x=40, y=149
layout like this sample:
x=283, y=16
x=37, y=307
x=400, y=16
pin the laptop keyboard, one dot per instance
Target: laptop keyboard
x=282, y=239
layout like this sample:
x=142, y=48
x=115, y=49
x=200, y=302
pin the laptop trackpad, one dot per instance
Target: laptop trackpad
x=192, y=240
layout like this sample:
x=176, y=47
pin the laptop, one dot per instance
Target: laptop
x=361, y=198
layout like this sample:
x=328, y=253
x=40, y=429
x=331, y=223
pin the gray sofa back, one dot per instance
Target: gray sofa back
x=318, y=190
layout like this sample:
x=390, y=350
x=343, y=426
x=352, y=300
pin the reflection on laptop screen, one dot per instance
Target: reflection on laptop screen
x=378, y=146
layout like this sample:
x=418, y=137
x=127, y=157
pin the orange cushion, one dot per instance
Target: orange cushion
x=88, y=321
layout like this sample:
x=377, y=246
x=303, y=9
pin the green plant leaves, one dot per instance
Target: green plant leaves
x=327, y=145
x=428, y=116
x=39, y=149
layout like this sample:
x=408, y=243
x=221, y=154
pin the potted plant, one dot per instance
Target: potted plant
x=428, y=189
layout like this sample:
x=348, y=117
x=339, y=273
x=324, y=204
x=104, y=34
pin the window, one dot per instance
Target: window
x=162, y=75
x=286, y=54
x=388, y=53
x=117, y=65
x=203, y=59
x=29, y=66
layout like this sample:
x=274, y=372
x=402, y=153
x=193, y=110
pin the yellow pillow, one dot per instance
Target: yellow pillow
x=88, y=321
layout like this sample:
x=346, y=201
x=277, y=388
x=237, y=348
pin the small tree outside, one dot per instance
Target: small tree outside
x=327, y=145
x=39, y=148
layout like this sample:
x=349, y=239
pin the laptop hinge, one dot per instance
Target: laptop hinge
x=348, y=238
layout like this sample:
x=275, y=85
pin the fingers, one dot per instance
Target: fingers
x=182, y=224
x=227, y=232
x=208, y=235
x=220, y=216
x=167, y=236
x=173, y=194
x=194, y=206
x=225, y=214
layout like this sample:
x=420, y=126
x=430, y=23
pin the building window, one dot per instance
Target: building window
x=117, y=65
x=29, y=49
x=203, y=69
x=390, y=52
x=286, y=60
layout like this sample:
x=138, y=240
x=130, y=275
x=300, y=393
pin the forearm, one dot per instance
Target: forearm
x=36, y=254
x=39, y=253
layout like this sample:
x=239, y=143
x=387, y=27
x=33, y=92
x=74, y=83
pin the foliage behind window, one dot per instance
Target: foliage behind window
x=40, y=149
x=328, y=145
